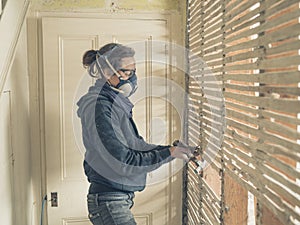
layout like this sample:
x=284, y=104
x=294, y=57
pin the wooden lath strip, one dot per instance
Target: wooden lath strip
x=291, y=18
x=194, y=19
x=247, y=54
x=212, y=32
x=212, y=196
x=292, y=146
x=216, y=66
x=282, y=215
x=194, y=178
x=191, y=3
x=194, y=117
x=268, y=64
x=194, y=126
x=207, y=5
x=279, y=7
x=288, y=77
x=249, y=119
x=280, y=130
x=246, y=153
x=261, y=117
x=238, y=107
x=208, y=217
x=212, y=27
x=201, y=78
x=191, y=219
x=241, y=45
x=192, y=211
x=249, y=175
x=214, y=56
x=260, y=179
x=215, y=42
x=212, y=14
x=195, y=86
x=267, y=148
x=194, y=11
x=214, y=120
x=267, y=25
x=230, y=5
x=211, y=213
x=258, y=163
x=213, y=101
x=278, y=35
x=195, y=33
x=266, y=196
x=249, y=16
x=290, y=105
x=192, y=197
x=211, y=139
x=216, y=94
x=285, y=168
x=217, y=112
x=281, y=117
x=293, y=45
x=231, y=14
x=242, y=30
x=197, y=61
x=195, y=28
x=280, y=62
x=266, y=89
x=266, y=124
x=195, y=44
x=192, y=100
x=194, y=193
x=193, y=133
x=213, y=49
x=194, y=36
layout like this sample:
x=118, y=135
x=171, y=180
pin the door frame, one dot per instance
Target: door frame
x=35, y=60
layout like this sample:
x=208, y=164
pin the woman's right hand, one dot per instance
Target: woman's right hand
x=181, y=153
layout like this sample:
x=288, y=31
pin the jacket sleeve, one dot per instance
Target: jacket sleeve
x=112, y=137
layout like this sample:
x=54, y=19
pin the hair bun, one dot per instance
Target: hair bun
x=89, y=57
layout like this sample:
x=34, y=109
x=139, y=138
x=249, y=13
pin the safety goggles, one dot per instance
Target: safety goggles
x=128, y=73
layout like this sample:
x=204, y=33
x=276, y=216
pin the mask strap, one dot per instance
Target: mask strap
x=111, y=67
x=116, y=89
x=100, y=67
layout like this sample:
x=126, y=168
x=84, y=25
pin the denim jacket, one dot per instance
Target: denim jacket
x=116, y=155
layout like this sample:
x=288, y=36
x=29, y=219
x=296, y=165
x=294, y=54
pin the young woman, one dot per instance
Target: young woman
x=117, y=159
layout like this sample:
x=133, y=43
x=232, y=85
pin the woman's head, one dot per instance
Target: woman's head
x=97, y=61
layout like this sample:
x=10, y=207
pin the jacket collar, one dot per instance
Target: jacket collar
x=115, y=97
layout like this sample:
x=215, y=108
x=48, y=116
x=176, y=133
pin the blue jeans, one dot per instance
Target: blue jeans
x=111, y=208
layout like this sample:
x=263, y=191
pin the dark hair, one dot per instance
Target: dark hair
x=95, y=60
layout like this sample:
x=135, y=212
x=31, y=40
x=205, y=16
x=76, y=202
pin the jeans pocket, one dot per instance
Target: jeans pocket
x=93, y=216
x=120, y=212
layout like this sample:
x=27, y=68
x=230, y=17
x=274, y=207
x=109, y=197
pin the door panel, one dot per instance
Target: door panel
x=6, y=161
x=64, y=42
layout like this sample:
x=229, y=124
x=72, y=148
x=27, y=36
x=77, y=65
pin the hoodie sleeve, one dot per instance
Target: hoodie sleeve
x=112, y=137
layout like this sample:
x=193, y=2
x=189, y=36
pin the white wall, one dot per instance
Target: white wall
x=20, y=184
x=10, y=25
x=16, y=184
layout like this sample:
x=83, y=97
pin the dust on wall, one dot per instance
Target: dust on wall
x=110, y=5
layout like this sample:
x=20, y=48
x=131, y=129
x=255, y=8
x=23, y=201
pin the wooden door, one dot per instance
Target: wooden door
x=64, y=42
x=7, y=213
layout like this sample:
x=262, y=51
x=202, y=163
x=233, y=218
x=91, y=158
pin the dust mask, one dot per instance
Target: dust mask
x=129, y=86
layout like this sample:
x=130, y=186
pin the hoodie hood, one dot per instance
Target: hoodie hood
x=102, y=88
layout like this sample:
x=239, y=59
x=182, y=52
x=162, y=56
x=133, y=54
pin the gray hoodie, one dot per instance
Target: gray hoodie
x=116, y=155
